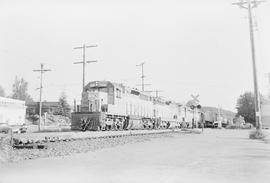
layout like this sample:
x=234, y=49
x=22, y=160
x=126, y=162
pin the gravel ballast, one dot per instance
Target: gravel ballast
x=65, y=148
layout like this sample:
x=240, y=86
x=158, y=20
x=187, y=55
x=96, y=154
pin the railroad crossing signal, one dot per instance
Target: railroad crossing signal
x=194, y=103
x=195, y=98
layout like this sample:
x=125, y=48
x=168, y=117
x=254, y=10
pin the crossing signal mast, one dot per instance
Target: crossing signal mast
x=249, y=5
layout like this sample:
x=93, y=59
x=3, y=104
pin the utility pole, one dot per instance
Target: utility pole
x=42, y=71
x=142, y=76
x=249, y=5
x=84, y=62
x=268, y=76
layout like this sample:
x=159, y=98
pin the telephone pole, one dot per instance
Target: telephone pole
x=142, y=76
x=42, y=71
x=84, y=62
x=268, y=76
x=249, y=5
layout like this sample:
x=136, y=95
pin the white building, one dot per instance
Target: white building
x=12, y=111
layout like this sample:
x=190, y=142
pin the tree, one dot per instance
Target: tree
x=19, y=90
x=2, y=92
x=64, y=108
x=246, y=107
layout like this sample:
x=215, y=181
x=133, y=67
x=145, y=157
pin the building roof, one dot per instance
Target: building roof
x=11, y=100
x=44, y=104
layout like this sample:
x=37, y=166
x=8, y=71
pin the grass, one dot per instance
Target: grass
x=63, y=129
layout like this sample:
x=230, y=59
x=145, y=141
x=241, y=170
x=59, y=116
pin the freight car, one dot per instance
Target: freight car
x=210, y=118
x=111, y=106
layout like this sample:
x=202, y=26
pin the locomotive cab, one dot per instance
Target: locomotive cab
x=95, y=97
x=94, y=101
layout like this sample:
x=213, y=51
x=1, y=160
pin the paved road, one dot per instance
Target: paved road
x=214, y=156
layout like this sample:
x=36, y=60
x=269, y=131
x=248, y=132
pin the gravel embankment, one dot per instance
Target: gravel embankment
x=79, y=146
x=5, y=148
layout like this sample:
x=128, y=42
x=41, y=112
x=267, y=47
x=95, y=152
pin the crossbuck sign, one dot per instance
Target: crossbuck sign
x=195, y=98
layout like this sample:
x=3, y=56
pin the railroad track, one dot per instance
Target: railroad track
x=40, y=140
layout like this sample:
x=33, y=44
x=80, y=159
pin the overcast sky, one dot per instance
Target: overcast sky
x=190, y=47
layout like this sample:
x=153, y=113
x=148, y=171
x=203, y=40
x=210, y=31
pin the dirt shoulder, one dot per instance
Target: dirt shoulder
x=214, y=156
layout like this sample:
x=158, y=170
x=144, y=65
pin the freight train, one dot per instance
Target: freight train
x=107, y=105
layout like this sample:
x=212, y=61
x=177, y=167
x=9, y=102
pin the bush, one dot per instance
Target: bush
x=34, y=119
x=233, y=126
x=245, y=126
x=257, y=134
x=183, y=125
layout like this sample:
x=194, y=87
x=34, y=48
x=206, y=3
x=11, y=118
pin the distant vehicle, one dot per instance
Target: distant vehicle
x=209, y=124
x=4, y=128
x=217, y=124
x=18, y=128
x=23, y=128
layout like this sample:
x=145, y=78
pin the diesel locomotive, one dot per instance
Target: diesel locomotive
x=107, y=105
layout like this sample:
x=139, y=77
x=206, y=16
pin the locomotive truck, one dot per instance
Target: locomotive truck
x=107, y=105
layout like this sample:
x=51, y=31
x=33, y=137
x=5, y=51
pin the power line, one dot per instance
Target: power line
x=42, y=71
x=156, y=91
x=142, y=76
x=246, y=3
x=249, y=5
x=84, y=62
